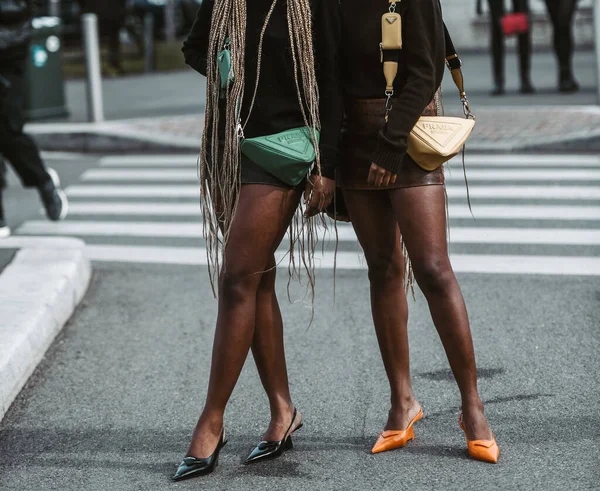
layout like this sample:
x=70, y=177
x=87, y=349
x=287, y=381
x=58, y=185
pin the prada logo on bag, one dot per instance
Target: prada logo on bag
x=292, y=142
x=442, y=133
x=391, y=20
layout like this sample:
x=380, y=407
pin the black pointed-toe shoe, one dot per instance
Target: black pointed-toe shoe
x=192, y=467
x=271, y=449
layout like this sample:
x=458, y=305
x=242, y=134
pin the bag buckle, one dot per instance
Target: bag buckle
x=239, y=129
x=389, y=105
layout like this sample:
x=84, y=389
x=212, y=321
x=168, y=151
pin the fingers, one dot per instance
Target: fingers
x=315, y=205
x=372, y=174
x=327, y=199
x=307, y=190
x=380, y=177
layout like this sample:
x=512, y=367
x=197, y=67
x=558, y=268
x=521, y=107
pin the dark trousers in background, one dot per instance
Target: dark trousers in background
x=16, y=146
x=561, y=13
x=497, y=11
x=111, y=30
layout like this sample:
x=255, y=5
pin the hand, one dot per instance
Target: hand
x=380, y=177
x=318, y=194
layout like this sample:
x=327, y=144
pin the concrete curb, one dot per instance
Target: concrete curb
x=108, y=137
x=39, y=291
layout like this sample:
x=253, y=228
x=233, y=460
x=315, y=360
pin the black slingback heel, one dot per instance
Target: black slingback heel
x=271, y=449
x=192, y=467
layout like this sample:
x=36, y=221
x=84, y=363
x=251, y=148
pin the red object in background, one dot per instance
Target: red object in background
x=517, y=23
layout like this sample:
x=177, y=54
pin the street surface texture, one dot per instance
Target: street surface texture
x=113, y=404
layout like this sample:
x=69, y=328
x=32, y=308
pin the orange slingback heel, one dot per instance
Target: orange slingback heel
x=392, y=439
x=484, y=450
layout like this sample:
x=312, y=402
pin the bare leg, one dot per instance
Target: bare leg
x=378, y=233
x=263, y=216
x=421, y=214
x=269, y=355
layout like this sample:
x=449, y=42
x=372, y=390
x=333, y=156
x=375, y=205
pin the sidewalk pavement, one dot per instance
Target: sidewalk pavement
x=42, y=281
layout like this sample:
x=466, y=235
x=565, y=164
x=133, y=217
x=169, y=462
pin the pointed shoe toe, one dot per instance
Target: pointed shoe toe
x=392, y=439
x=193, y=467
x=266, y=450
x=271, y=449
x=484, y=450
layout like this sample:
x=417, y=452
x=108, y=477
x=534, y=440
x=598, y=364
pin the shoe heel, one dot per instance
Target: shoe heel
x=410, y=434
x=288, y=443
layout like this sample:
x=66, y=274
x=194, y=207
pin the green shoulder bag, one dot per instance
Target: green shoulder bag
x=289, y=155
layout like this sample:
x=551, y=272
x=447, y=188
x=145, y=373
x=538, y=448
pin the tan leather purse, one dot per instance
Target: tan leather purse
x=435, y=139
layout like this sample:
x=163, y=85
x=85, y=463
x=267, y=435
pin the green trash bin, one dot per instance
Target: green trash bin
x=45, y=95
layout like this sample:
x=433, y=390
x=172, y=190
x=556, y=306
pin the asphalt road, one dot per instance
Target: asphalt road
x=113, y=404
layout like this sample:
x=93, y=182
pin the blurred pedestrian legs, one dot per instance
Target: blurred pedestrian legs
x=497, y=12
x=15, y=145
x=562, y=14
x=111, y=18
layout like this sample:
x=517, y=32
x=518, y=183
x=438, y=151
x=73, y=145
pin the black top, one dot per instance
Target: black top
x=277, y=107
x=420, y=71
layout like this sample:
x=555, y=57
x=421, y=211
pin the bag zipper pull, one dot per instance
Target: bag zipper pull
x=381, y=52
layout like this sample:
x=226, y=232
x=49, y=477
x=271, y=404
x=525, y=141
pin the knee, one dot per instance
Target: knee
x=434, y=276
x=266, y=286
x=238, y=286
x=385, y=270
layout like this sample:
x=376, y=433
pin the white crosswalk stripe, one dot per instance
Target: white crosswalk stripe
x=535, y=214
x=191, y=175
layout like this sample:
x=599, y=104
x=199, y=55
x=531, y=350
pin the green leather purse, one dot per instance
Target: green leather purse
x=289, y=155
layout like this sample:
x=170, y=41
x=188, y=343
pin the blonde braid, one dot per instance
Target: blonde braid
x=220, y=176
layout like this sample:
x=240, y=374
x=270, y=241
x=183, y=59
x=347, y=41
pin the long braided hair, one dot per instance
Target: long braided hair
x=220, y=155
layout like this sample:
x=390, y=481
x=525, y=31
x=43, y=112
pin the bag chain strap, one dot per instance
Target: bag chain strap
x=240, y=126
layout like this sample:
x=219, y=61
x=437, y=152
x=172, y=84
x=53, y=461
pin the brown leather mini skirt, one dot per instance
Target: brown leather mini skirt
x=364, y=119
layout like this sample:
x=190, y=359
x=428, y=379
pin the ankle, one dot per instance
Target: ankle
x=404, y=402
x=472, y=405
x=281, y=409
x=211, y=421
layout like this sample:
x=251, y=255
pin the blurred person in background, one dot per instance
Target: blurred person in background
x=497, y=12
x=562, y=14
x=111, y=18
x=16, y=146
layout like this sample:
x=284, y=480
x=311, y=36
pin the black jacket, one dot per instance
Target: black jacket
x=15, y=28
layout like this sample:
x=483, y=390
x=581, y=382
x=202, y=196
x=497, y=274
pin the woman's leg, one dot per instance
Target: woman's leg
x=497, y=44
x=263, y=215
x=269, y=355
x=421, y=213
x=378, y=233
x=562, y=14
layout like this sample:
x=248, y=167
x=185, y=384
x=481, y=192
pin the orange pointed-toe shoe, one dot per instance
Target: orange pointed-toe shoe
x=484, y=450
x=391, y=439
